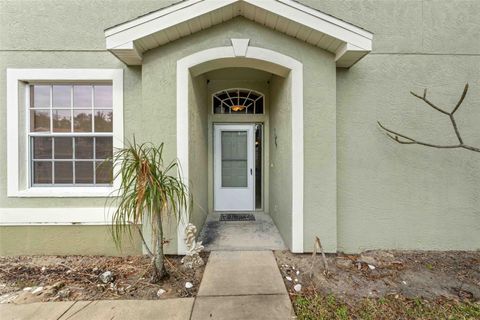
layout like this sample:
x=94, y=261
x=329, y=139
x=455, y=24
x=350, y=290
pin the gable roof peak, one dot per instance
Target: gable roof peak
x=130, y=39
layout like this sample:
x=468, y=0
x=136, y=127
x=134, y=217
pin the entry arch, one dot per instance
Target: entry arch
x=242, y=55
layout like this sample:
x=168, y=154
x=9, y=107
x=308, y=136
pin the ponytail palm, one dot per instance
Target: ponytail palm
x=149, y=192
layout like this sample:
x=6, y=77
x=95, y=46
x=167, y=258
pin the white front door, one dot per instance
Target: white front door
x=234, y=167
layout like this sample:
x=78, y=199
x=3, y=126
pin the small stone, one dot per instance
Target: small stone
x=65, y=293
x=288, y=278
x=37, y=290
x=106, y=277
x=43, y=269
x=160, y=292
x=296, y=280
x=297, y=287
x=343, y=263
x=404, y=282
x=298, y=272
x=188, y=285
x=27, y=289
x=367, y=259
x=68, y=271
x=371, y=267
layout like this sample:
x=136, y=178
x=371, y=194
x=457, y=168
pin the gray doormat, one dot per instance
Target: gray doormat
x=237, y=217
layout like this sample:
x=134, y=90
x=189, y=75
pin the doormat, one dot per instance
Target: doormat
x=237, y=217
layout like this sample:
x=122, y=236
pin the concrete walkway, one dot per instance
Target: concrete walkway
x=242, y=285
x=261, y=234
x=235, y=285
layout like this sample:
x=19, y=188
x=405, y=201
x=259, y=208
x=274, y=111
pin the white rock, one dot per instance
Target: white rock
x=37, y=290
x=43, y=269
x=288, y=278
x=106, y=277
x=297, y=287
x=160, y=292
x=65, y=293
x=296, y=280
x=188, y=285
x=298, y=272
x=404, y=282
x=371, y=267
x=27, y=289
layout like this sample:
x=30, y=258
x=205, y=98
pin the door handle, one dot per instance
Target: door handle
x=251, y=171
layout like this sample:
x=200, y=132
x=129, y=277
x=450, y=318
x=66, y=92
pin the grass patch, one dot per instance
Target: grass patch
x=318, y=307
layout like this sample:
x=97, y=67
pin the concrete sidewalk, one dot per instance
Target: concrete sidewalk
x=235, y=285
x=176, y=309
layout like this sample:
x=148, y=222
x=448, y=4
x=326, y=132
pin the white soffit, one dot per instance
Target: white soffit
x=129, y=40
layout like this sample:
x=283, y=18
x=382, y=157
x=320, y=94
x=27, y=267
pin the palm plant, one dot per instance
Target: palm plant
x=149, y=192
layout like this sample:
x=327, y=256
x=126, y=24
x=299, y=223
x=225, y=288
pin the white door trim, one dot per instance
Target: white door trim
x=267, y=60
x=245, y=195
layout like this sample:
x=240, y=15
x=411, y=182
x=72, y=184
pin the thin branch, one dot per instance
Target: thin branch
x=471, y=148
x=396, y=137
x=465, y=90
x=149, y=252
x=424, y=98
x=454, y=124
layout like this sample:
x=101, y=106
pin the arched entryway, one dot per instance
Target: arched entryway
x=240, y=55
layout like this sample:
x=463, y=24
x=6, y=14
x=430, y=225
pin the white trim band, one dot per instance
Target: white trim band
x=55, y=216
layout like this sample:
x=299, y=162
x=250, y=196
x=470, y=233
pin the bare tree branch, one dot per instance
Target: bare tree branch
x=425, y=99
x=403, y=139
x=396, y=137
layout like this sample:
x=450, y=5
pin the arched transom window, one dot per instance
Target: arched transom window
x=238, y=101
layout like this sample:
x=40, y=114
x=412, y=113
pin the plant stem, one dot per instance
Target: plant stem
x=159, y=265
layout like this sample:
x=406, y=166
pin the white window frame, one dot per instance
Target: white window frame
x=14, y=79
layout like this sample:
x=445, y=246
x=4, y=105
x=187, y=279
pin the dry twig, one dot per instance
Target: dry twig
x=403, y=139
x=318, y=246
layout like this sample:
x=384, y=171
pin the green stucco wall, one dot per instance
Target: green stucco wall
x=198, y=146
x=408, y=197
x=280, y=182
x=65, y=240
x=362, y=191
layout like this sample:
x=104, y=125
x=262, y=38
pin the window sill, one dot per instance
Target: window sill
x=64, y=192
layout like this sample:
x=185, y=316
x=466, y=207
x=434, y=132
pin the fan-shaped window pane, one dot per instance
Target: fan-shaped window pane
x=238, y=101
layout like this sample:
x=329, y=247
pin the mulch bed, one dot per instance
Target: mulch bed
x=26, y=279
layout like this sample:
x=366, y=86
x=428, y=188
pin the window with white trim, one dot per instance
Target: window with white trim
x=238, y=101
x=62, y=124
x=70, y=134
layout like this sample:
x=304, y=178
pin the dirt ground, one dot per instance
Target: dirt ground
x=376, y=274
x=66, y=278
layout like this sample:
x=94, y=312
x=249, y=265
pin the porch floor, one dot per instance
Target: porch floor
x=261, y=234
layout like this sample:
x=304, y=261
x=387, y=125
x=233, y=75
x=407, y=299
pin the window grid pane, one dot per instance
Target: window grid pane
x=62, y=140
x=238, y=101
